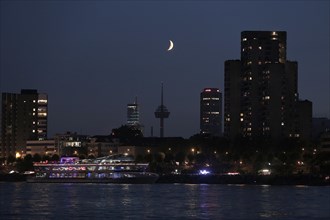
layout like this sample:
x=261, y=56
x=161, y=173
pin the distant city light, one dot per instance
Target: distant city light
x=204, y=172
x=232, y=173
x=18, y=155
x=264, y=172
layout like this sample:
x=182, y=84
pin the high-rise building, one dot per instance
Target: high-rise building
x=305, y=119
x=133, y=115
x=261, y=91
x=210, y=112
x=24, y=117
x=320, y=126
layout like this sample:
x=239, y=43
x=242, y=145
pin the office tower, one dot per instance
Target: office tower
x=232, y=98
x=133, y=115
x=210, y=112
x=24, y=117
x=320, y=126
x=305, y=119
x=261, y=91
x=161, y=113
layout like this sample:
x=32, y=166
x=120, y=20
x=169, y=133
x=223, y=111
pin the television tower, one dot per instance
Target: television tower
x=162, y=113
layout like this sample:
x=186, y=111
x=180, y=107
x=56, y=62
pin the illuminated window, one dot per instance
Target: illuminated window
x=42, y=101
x=244, y=39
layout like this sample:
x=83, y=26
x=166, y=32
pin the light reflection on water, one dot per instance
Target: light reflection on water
x=162, y=201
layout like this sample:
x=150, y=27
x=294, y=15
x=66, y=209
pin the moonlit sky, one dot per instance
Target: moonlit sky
x=92, y=58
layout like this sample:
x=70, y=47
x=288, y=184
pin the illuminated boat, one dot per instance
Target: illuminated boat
x=111, y=169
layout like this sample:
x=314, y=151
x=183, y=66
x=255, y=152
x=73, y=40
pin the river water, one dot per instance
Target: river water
x=162, y=201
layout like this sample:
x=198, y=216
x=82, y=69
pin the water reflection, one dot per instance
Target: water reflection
x=161, y=201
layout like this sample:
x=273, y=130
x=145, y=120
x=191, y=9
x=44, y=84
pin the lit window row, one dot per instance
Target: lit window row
x=294, y=135
x=214, y=98
x=42, y=101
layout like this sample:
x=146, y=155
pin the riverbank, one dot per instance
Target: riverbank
x=310, y=180
x=12, y=177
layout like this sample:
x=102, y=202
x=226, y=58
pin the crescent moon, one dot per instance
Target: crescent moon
x=171, y=46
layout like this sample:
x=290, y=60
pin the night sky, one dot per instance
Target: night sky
x=95, y=57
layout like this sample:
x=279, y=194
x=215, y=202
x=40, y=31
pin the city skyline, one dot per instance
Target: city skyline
x=91, y=58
